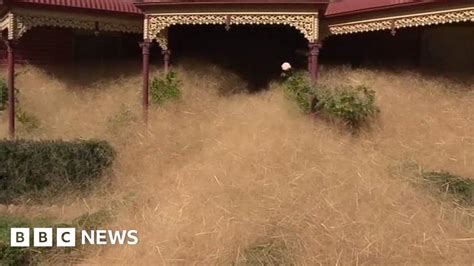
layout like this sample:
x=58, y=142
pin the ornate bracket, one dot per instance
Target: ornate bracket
x=7, y=23
x=24, y=23
x=157, y=24
x=162, y=39
x=17, y=23
x=393, y=23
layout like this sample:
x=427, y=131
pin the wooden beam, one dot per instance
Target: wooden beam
x=146, y=77
x=10, y=44
x=313, y=64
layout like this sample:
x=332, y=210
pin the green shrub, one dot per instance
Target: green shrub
x=354, y=105
x=461, y=188
x=165, y=88
x=14, y=255
x=45, y=168
x=120, y=120
x=3, y=95
x=27, y=121
x=268, y=253
x=298, y=88
x=91, y=221
x=39, y=256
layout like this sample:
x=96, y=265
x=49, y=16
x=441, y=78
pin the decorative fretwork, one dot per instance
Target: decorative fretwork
x=162, y=39
x=125, y=26
x=26, y=22
x=19, y=22
x=417, y=20
x=156, y=24
x=6, y=23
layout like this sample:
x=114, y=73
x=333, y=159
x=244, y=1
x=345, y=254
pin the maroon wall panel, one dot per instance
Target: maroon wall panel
x=43, y=46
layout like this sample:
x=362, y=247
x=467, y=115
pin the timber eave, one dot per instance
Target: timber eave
x=186, y=6
x=393, y=19
x=377, y=9
x=75, y=10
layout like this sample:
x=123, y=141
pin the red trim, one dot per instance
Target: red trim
x=77, y=10
x=123, y=7
x=321, y=4
x=224, y=2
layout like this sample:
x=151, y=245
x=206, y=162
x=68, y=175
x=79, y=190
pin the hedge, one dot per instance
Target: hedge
x=15, y=255
x=49, y=166
x=461, y=188
x=43, y=255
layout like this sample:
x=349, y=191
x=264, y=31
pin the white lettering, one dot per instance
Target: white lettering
x=101, y=237
x=43, y=237
x=115, y=236
x=20, y=237
x=66, y=237
x=89, y=237
x=133, y=237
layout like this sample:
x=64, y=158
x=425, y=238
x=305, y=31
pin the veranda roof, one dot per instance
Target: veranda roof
x=190, y=2
x=334, y=9
x=120, y=6
x=348, y=7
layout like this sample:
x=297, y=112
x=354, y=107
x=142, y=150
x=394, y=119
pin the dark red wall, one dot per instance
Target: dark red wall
x=44, y=46
x=444, y=48
x=378, y=48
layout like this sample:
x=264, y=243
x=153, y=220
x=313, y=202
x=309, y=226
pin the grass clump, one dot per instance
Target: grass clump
x=44, y=168
x=29, y=122
x=20, y=256
x=3, y=95
x=91, y=221
x=37, y=256
x=354, y=105
x=122, y=119
x=462, y=189
x=297, y=87
x=165, y=88
x=267, y=253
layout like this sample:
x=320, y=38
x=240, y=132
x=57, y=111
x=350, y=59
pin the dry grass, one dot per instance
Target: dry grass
x=214, y=176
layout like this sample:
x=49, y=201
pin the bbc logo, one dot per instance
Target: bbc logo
x=66, y=237
x=43, y=237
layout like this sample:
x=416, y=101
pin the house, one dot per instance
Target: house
x=42, y=31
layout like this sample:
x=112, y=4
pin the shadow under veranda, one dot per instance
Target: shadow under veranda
x=246, y=78
x=86, y=75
